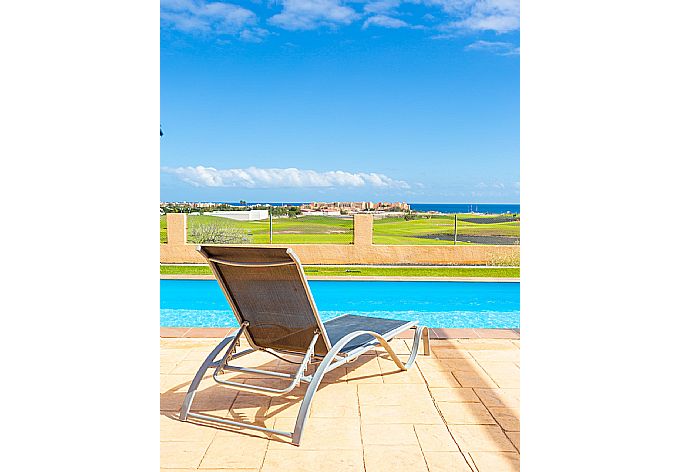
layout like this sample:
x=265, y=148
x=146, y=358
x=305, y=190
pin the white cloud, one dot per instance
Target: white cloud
x=253, y=177
x=311, y=14
x=452, y=18
x=384, y=22
x=495, y=47
x=253, y=35
x=205, y=17
x=500, y=16
x=381, y=6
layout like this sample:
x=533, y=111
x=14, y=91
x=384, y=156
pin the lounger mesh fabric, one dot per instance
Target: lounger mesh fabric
x=272, y=299
x=340, y=327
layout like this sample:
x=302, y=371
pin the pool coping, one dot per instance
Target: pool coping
x=435, y=333
x=380, y=278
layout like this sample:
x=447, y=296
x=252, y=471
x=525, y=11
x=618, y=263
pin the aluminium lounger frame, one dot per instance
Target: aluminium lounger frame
x=334, y=358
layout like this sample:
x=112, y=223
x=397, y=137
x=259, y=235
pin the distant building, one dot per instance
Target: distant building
x=352, y=207
x=250, y=215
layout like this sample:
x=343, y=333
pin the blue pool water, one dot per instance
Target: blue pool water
x=435, y=304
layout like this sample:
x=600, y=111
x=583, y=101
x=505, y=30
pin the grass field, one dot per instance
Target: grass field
x=431, y=230
x=372, y=271
x=309, y=229
x=329, y=230
x=164, y=230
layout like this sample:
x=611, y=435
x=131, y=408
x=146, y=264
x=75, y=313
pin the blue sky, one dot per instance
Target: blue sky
x=301, y=100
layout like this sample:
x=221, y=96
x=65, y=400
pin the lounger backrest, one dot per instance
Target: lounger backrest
x=266, y=287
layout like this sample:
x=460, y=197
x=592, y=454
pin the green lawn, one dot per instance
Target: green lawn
x=374, y=271
x=308, y=229
x=164, y=230
x=398, y=231
x=330, y=230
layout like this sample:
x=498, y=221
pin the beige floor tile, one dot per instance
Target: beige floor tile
x=435, y=437
x=496, y=461
x=173, y=355
x=458, y=352
x=393, y=458
x=217, y=399
x=334, y=434
x=284, y=408
x=500, y=367
x=465, y=413
x=300, y=460
x=322, y=410
x=487, y=344
x=386, y=394
x=399, y=346
x=429, y=364
x=499, y=397
x=438, y=461
x=497, y=356
x=505, y=374
x=461, y=395
x=337, y=391
x=235, y=450
x=172, y=429
x=167, y=367
x=441, y=379
x=198, y=355
x=481, y=438
x=182, y=454
x=403, y=414
x=367, y=372
x=215, y=469
x=389, y=434
x=392, y=375
x=507, y=418
x=171, y=403
x=228, y=431
x=338, y=375
x=469, y=365
x=188, y=368
x=250, y=405
x=474, y=379
x=394, y=414
x=504, y=381
x=444, y=343
x=514, y=437
x=175, y=382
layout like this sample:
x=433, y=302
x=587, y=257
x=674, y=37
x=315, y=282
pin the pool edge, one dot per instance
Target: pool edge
x=435, y=333
x=380, y=278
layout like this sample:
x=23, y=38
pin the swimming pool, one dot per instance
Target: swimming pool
x=201, y=303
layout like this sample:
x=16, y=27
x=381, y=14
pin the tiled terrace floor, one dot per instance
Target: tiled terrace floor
x=456, y=410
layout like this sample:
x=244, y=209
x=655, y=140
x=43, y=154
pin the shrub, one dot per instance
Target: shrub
x=503, y=260
x=216, y=234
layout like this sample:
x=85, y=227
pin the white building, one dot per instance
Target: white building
x=250, y=215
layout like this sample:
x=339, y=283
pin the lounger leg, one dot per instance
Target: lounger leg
x=425, y=340
x=325, y=366
x=208, y=364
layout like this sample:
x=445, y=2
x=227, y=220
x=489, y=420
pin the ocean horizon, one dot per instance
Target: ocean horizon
x=484, y=208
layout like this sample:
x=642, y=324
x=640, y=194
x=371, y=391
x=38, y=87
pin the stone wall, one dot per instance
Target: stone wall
x=362, y=251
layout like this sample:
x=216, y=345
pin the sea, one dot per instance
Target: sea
x=482, y=208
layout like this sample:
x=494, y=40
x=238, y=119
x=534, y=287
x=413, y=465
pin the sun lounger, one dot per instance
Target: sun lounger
x=268, y=292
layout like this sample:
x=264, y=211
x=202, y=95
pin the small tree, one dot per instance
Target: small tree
x=216, y=234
